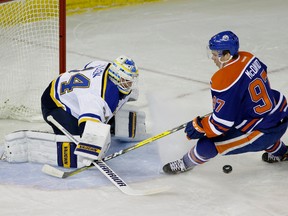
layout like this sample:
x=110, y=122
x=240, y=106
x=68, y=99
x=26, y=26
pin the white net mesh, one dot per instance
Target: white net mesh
x=29, y=47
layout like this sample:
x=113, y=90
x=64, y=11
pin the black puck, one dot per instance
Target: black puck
x=227, y=168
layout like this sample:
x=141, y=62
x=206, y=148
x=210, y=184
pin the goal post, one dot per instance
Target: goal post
x=33, y=52
x=62, y=36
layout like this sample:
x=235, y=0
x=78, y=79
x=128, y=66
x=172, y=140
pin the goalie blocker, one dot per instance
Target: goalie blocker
x=58, y=150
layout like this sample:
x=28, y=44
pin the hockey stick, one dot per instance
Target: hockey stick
x=119, y=183
x=107, y=171
x=62, y=174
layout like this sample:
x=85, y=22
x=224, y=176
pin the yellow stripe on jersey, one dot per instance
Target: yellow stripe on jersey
x=53, y=94
x=104, y=84
x=84, y=119
x=66, y=154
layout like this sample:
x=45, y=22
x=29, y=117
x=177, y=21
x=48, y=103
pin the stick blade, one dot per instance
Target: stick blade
x=52, y=171
x=152, y=191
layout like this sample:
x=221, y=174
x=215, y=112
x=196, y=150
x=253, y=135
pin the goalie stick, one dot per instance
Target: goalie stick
x=50, y=170
x=107, y=171
x=119, y=183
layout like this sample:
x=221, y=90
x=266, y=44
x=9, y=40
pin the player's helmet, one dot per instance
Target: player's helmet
x=225, y=40
x=123, y=72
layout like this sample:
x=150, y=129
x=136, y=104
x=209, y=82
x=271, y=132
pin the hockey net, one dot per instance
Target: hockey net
x=33, y=52
x=29, y=46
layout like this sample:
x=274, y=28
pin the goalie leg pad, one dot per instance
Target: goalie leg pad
x=16, y=147
x=40, y=147
x=65, y=154
x=130, y=124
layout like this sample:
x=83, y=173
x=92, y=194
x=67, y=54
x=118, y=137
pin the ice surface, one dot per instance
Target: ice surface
x=168, y=41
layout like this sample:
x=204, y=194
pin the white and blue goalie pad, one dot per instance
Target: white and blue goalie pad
x=40, y=147
x=130, y=124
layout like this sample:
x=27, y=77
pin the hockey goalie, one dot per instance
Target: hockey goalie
x=89, y=104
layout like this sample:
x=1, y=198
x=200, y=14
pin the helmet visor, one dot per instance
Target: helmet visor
x=212, y=53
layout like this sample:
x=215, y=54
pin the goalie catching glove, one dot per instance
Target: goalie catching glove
x=129, y=124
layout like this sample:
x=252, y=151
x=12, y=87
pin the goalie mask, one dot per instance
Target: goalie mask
x=123, y=72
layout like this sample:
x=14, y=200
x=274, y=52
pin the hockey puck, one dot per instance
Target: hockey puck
x=227, y=169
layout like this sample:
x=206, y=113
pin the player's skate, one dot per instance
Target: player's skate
x=176, y=167
x=270, y=158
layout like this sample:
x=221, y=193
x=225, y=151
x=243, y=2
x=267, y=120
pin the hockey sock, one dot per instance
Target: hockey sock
x=192, y=158
x=278, y=149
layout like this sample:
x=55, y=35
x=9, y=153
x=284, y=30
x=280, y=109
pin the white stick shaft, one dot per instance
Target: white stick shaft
x=61, y=128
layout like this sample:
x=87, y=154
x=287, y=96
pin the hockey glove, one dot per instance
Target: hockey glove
x=194, y=129
x=129, y=124
x=94, y=142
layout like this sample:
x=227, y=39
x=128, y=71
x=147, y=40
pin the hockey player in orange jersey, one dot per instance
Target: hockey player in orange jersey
x=248, y=115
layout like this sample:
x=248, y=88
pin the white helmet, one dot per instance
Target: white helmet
x=123, y=72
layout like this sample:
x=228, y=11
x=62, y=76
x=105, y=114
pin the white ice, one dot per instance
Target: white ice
x=168, y=41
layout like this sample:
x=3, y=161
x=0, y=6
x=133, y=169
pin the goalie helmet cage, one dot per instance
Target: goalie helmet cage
x=33, y=52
